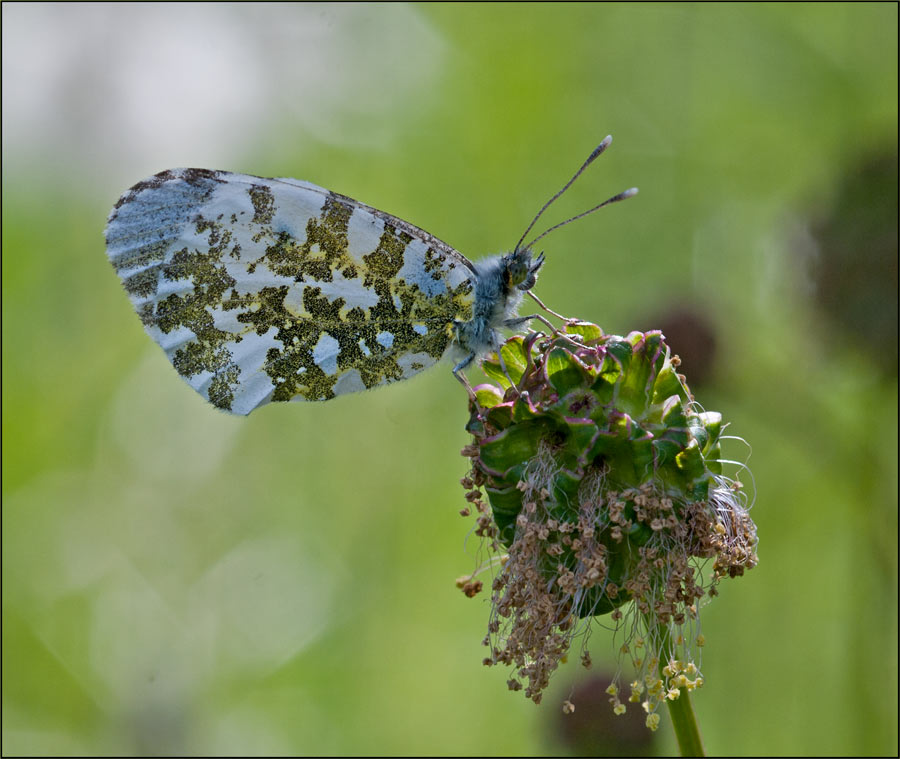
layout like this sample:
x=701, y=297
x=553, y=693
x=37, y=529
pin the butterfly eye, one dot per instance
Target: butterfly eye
x=518, y=265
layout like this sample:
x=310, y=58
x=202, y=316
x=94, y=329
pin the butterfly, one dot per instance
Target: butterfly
x=264, y=290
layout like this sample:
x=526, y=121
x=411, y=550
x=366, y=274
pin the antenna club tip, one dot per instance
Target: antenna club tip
x=599, y=149
x=630, y=192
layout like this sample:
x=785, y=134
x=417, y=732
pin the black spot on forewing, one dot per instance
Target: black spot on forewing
x=157, y=180
x=199, y=177
x=194, y=177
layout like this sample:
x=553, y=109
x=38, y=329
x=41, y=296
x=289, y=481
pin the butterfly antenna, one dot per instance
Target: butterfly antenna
x=590, y=159
x=614, y=199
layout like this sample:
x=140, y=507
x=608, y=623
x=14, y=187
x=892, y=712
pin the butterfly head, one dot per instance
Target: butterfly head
x=521, y=269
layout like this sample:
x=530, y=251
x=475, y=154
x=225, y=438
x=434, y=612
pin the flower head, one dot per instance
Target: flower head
x=605, y=495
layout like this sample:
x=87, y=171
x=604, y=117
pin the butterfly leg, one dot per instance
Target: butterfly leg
x=549, y=311
x=457, y=372
x=520, y=320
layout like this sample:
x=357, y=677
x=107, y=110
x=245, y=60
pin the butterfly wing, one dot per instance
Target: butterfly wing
x=267, y=290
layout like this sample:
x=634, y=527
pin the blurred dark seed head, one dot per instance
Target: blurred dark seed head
x=593, y=730
x=856, y=270
x=691, y=335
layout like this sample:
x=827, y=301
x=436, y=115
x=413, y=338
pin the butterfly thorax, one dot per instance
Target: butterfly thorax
x=500, y=283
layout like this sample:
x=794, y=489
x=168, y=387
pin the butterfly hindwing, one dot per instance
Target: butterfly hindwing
x=267, y=290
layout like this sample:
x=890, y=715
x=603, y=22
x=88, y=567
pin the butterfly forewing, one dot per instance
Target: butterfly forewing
x=274, y=289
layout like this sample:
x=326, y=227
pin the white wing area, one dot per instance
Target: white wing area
x=276, y=289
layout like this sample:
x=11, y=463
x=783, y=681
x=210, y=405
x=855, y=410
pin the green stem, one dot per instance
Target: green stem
x=688, y=735
x=680, y=710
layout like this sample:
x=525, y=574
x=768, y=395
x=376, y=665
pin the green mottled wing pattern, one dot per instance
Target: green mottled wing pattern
x=265, y=290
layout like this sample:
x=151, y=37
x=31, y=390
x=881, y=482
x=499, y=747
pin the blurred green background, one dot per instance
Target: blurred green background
x=179, y=581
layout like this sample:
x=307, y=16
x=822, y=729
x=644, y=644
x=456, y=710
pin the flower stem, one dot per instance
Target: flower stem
x=686, y=732
x=681, y=710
